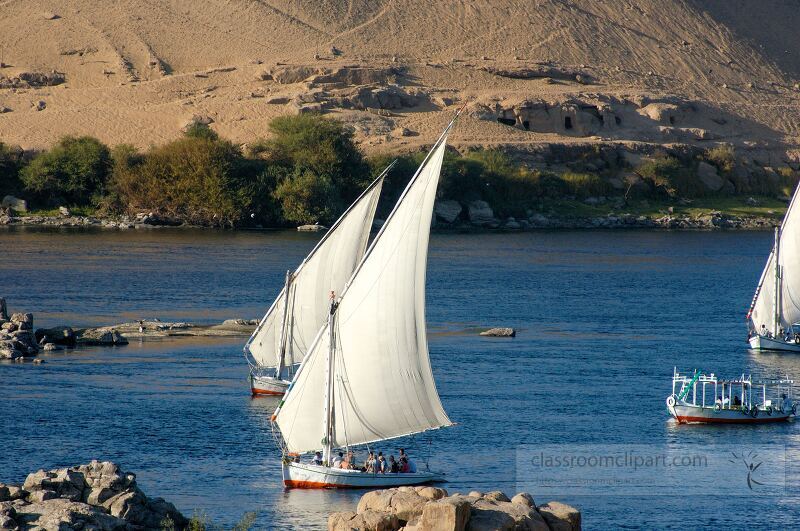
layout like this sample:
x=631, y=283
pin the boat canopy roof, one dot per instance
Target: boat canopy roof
x=712, y=378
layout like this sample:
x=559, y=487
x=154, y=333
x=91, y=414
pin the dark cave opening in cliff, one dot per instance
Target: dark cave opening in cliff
x=567, y=122
x=527, y=125
x=507, y=121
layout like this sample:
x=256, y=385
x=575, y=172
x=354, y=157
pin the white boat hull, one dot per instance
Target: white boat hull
x=267, y=385
x=307, y=476
x=758, y=342
x=687, y=414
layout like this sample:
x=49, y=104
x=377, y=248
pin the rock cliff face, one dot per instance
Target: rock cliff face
x=96, y=496
x=432, y=509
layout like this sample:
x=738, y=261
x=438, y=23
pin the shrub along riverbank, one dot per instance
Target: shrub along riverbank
x=309, y=169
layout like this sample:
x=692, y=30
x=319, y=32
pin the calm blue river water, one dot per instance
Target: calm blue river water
x=602, y=317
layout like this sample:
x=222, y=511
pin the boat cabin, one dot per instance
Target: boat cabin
x=743, y=394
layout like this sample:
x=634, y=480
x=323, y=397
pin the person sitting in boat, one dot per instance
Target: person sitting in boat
x=337, y=461
x=382, y=465
x=394, y=467
x=317, y=459
x=370, y=465
x=347, y=462
x=737, y=401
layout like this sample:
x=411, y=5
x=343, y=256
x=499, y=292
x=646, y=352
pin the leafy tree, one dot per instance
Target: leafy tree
x=309, y=198
x=321, y=145
x=10, y=163
x=671, y=176
x=74, y=171
x=194, y=180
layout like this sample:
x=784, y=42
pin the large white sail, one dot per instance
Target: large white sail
x=327, y=268
x=383, y=386
x=763, y=311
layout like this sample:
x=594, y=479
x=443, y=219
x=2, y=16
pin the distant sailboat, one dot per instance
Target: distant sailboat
x=774, y=316
x=290, y=325
x=367, y=378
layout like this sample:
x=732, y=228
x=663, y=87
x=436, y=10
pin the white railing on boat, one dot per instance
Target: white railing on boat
x=727, y=391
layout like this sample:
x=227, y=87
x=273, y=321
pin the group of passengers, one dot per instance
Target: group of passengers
x=375, y=463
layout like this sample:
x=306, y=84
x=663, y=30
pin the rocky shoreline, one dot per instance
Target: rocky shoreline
x=478, y=215
x=97, y=496
x=19, y=341
x=451, y=216
x=433, y=509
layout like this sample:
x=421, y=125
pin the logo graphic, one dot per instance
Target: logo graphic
x=750, y=465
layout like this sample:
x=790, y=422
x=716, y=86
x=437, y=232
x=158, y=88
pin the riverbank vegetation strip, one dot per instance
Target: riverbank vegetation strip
x=309, y=169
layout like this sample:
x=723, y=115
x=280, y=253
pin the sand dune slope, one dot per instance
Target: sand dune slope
x=136, y=70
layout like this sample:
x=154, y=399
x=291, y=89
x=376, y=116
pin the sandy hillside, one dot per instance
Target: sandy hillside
x=656, y=71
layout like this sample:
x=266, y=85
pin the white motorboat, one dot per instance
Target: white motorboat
x=702, y=398
x=774, y=315
x=288, y=328
x=367, y=377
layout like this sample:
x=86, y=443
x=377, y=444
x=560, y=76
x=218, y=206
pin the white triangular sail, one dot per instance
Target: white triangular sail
x=763, y=310
x=383, y=386
x=327, y=268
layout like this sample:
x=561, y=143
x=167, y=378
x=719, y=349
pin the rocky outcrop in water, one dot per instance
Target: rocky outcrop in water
x=17, y=340
x=432, y=509
x=97, y=496
x=499, y=332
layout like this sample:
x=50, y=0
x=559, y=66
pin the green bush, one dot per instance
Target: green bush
x=74, y=171
x=201, y=130
x=585, y=184
x=194, y=180
x=672, y=177
x=308, y=198
x=723, y=157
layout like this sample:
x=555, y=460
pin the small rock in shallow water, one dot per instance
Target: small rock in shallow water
x=311, y=228
x=500, y=332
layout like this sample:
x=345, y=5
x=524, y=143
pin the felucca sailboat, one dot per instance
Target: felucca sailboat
x=367, y=377
x=774, y=316
x=287, y=330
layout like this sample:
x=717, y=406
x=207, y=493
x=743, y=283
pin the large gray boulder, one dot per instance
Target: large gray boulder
x=365, y=521
x=96, y=496
x=61, y=514
x=59, y=335
x=560, y=516
x=25, y=319
x=9, y=201
x=100, y=337
x=447, y=211
x=480, y=213
x=446, y=514
x=709, y=177
x=430, y=509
